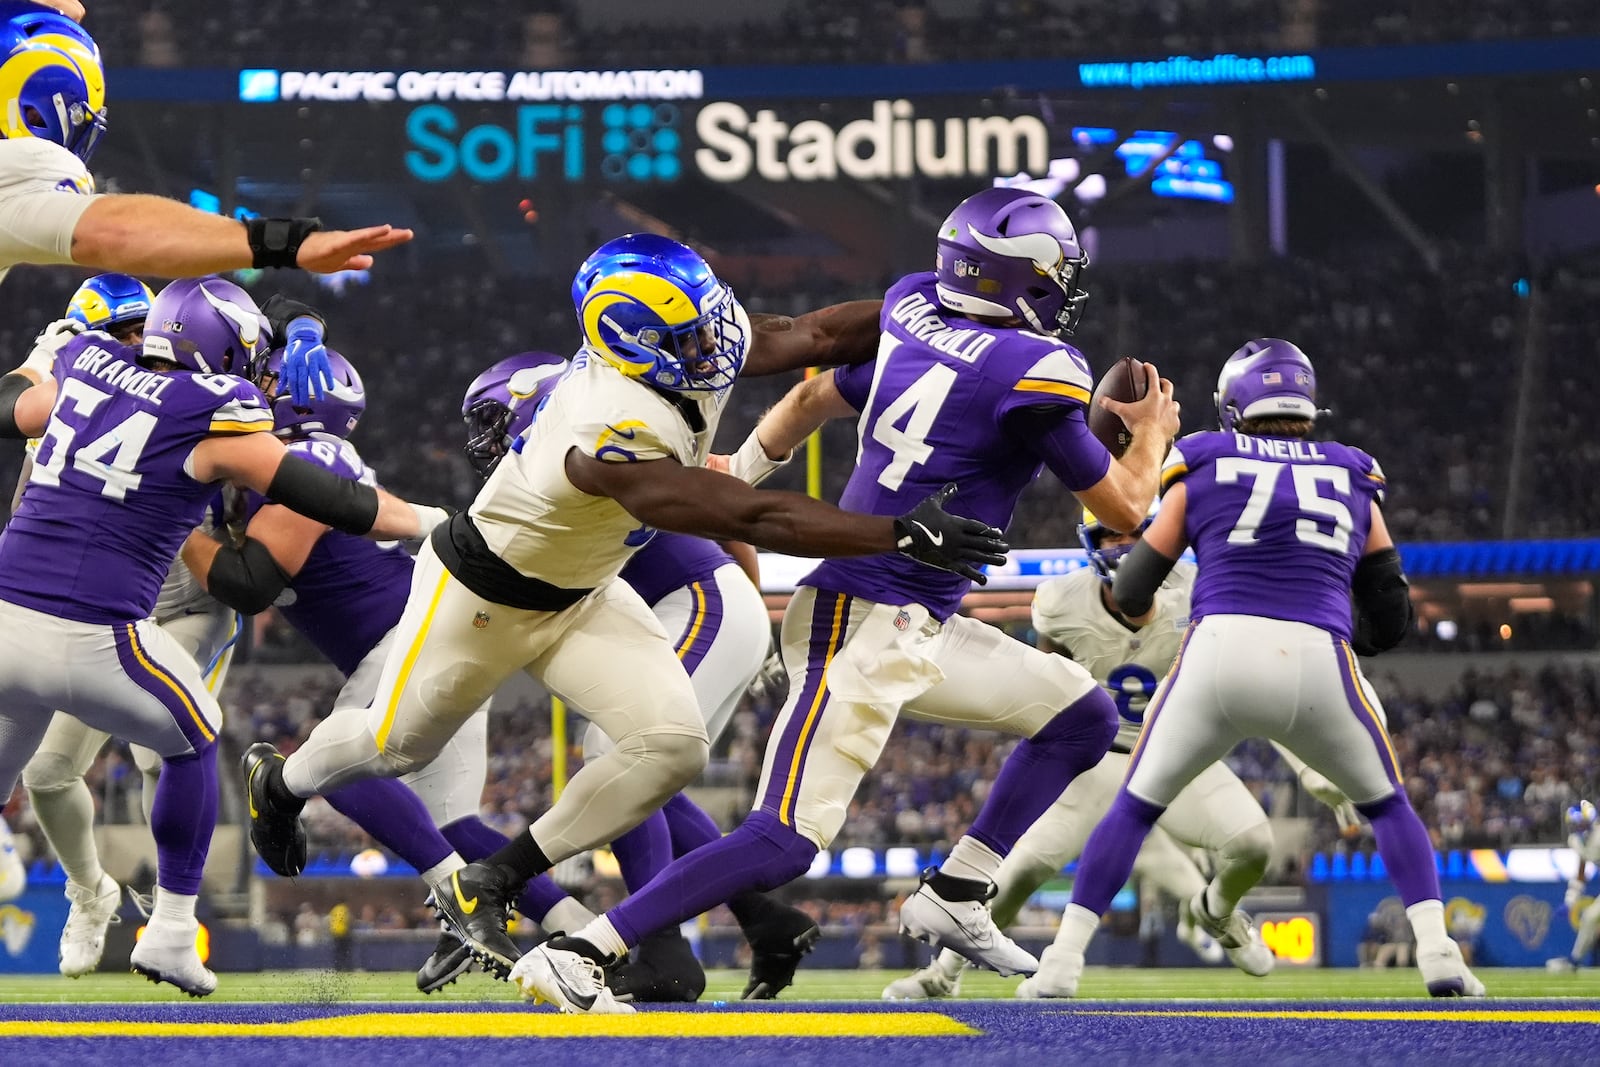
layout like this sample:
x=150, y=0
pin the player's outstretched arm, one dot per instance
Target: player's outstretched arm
x=140, y=234
x=693, y=500
x=260, y=461
x=250, y=576
x=833, y=336
x=790, y=421
x=1148, y=563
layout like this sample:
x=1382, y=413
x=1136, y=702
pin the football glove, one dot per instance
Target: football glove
x=49, y=343
x=306, y=370
x=930, y=534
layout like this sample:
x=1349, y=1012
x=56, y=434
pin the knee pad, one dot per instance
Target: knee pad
x=400, y=760
x=684, y=756
x=49, y=772
x=1251, y=845
x=1090, y=720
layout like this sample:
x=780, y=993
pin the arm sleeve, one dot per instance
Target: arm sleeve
x=317, y=493
x=246, y=579
x=1138, y=579
x=281, y=310
x=43, y=194
x=12, y=386
x=1383, y=603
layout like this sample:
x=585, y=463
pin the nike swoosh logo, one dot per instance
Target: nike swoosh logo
x=250, y=791
x=467, y=906
x=572, y=995
x=934, y=539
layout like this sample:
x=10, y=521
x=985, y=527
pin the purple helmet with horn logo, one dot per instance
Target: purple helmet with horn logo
x=207, y=325
x=1266, y=377
x=333, y=411
x=1010, y=253
x=500, y=404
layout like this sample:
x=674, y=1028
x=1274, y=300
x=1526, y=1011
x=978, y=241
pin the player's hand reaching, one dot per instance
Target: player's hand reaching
x=1154, y=413
x=48, y=345
x=930, y=534
x=328, y=251
x=306, y=371
x=1344, y=809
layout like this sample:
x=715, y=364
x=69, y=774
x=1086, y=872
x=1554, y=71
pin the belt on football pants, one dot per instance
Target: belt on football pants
x=471, y=562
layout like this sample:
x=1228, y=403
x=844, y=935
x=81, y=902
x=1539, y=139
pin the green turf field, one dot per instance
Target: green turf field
x=1099, y=983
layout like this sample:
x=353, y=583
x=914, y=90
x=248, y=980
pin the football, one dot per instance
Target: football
x=1124, y=381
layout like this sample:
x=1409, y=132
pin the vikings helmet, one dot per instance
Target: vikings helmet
x=333, y=411
x=652, y=308
x=1267, y=377
x=111, y=302
x=500, y=404
x=51, y=78
x=1104, y=561
x=1011, y=254
x=1580, y=817
x=207, y=325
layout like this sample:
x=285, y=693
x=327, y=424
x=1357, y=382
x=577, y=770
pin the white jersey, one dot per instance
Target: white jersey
x=44, y=190
x=1128, y=663
x=536, y=520
x=1587, y=846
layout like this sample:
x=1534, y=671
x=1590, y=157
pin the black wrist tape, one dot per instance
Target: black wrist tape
x=276, y=242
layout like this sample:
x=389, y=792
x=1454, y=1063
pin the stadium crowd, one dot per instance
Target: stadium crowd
x=307, y=35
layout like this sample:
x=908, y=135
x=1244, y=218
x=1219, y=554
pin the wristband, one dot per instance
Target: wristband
x=276, y=242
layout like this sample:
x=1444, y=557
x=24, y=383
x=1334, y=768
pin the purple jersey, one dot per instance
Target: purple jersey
x=949, y=399
x=670, y=561
x=1277, y=524
x=351, y=590
x=110, y=500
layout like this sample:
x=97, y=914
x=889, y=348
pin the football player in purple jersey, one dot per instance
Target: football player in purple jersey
x=973, y=386
x=133, y=442
x=718, y=624
x=1286, y=531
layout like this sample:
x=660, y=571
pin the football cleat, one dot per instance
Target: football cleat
x=662, y=970
x=779, y=940
x=450, y=959
x=168, y=954
x=474, y=903
x=275, y=830
x=1561, y=965
x=1235, y=935
x=573, y=983
x=1446, y=973
x=1058, y=976
x=933, y=982
x=83, y=939
x=1189, y=932
x=953, y=913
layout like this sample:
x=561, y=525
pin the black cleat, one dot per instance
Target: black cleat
x=275, y=829
x=474, y=903
x=778, y=941
x=450, y=960
x=661, y=970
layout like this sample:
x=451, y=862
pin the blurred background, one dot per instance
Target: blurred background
x=1413, y=196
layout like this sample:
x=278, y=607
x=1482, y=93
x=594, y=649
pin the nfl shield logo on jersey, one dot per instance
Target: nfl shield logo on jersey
x=902, y=620
x=481, y=619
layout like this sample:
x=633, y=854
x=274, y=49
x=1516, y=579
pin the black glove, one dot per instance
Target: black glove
x=930, y=534
x=281, y=310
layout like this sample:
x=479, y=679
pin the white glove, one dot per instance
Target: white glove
x=1574, y=891
x=427, y=518
x=751, y=463
x=48, y=345
x=1344, y=808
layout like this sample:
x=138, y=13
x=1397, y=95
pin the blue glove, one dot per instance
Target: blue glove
x=306, y=370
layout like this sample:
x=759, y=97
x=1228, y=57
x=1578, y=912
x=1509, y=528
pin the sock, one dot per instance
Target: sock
x=1427, y=922
x=761, y=854
x=183, y=819
x=397, y=819
x=1404, y=845
x=603, y=936
x=1078, y=926
x=1108, y=857
x=1041, y=766
x=644, y=851
x=565, y=914
x=443, y=869
x=690, y=826
x=67, y=818
x=971, y=858
x=475, y=840
x=521, y=857
x=173, y=909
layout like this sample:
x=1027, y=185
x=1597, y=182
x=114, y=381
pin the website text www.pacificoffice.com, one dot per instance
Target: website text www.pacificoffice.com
x=1223, y=69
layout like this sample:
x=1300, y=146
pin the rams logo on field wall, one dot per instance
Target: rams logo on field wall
x=1529, y=919
x=16, y=929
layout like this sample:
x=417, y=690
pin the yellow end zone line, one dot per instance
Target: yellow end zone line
x=472, y=1025
x=1468, y=1016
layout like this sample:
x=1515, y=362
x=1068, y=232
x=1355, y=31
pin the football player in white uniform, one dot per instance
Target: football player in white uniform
x=116, y=304
x=50, y=124
x=1583, y=838
x=527, y=578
